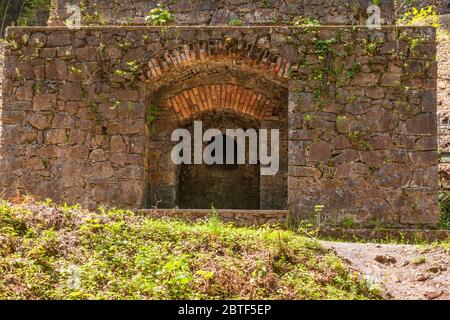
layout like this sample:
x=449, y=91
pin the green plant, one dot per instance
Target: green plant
x=355, y=68
x=152, y=115
x=444, y=206
x=414, y=42
x=95, y=110
x=235, y=22
x=348, y=223
x=358, y=139
x=308, y=118
x=323, y=47
x=267, y=4
x=159, y=16
x=90, y=14
x=115, y=105
x=424, y=16
x=305, y=21
x=31, y=11
x=74, y=70
x=419, y=260
x=370, y=47
x=340, y=119
x=130, y=72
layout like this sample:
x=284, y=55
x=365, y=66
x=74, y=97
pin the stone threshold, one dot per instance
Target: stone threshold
x=401, y=234
x=237, y=216
x=267, y=217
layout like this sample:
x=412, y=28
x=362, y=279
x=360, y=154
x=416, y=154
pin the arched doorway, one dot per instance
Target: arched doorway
x=223, y=96
x=222, y=185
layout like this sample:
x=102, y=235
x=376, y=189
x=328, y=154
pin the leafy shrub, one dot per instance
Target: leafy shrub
x=444, y=206
x=427, y=16
x=159, y=16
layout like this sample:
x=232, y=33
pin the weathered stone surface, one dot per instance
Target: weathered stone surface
x=319, y=151
x=39, y=121
x=393, y=175
x=56, y=136
x=381, y=120
x=422, y=124
x=43, y=102
x=80, y=119
x=201, y=12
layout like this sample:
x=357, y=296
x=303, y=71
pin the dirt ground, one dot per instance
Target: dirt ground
x=404, y=272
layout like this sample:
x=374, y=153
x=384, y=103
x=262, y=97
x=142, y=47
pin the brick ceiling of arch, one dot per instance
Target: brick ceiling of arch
x=188, y=60
x=195, y=101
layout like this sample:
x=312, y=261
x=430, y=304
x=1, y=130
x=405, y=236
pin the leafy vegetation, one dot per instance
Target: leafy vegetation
x=235, y=22
x=159, y=16
x=424, y=16
x=304, y=21
x=50, y=252
x=24, y=13
x=444, y=205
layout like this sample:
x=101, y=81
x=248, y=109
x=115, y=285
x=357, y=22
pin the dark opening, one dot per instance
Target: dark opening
x=224, y=186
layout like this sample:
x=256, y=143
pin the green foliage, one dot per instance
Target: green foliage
x=348, y=223
x=152, y=115
x=235, y=22
x=53, y=252
x=340, y=119
x=371, y=47
x=444, y=205
x=130, y=71
x=159, y=16
x=427, y=16
x=419, y=260
x=414, y=42
x=26, y=13
x=308, y=118
x=305, y=21
x=323, y=47
x=423, y=16
x=74, y=70
x=90, y=14
x=358, y=139
x=267, y=4
x=355, y=68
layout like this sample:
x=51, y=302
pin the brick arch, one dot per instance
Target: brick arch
x=230, y=51
x=192, y=102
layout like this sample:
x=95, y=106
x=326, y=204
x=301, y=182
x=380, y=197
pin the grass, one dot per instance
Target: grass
x=50, y=252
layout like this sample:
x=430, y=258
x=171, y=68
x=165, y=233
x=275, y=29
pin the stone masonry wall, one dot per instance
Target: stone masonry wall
x=76, y=119
x=212, y=12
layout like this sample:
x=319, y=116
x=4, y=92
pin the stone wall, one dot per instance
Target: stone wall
x=212, y=12
x=77, y=123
